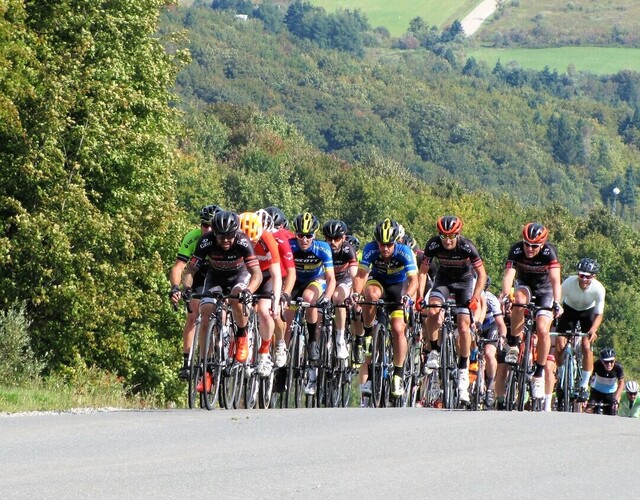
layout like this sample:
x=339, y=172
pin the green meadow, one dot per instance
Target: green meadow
x=597, y=60
x=395, y=15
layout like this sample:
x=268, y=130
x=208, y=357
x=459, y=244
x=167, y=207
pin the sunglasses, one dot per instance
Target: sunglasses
x=385, y=245
x=226, y=236
x=339, y=238
x=532, y=245
x=448, y=236
x=304, y=235
x=585, y=276
x=608, y=362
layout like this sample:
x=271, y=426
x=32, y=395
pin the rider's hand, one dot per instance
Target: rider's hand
x=187, y=293
x=592, y=336
x=473, y=305
x=354, y=298
x=323, y=301
x=245, y=297
x=557, y=309
x=407, y=301
x=174, y=294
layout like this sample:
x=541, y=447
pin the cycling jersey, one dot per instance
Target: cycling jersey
x=454, y=265
x=401, y=264
x=493, y=310
x=581, y=300
x=224, y=263
x=311, y=263
x=534, y=272
x=187, y=246
x=606, y=382
x=629, y=409
x=282, y=237
x=343, y=259
x=266, y=249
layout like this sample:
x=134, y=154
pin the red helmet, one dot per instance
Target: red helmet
x=449, y=224
x=535, y=233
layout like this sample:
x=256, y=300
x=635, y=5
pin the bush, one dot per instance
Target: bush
x=18, y=362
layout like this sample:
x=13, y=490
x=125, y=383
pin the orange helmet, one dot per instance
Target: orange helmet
x=449, y=224
x=251, y=225
x=535, y=233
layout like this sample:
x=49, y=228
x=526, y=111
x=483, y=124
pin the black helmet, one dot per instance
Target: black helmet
x=607, y=354
x=207, y=213
x=279, y=219
x=588, y=266
x=355, y=242
x=386, y=231
x=225, y=222
x=334, y=229
x=409, y=240
x=306, y=223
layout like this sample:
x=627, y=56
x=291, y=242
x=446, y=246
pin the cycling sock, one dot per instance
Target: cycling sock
x=242, y=331
x=359, y=340
x=186, y=358
x=539, y=370
x=264, y=346
x=513, y=341
x=313, y=335
x=584, y=383
x=462, y=362
x=397, y=371
x=434, y=345
x=547, y=402
x=369, y=373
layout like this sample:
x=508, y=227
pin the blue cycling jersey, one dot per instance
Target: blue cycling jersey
x=395, y=270
x=311, y=263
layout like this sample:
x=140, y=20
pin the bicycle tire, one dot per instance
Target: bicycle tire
x=212, y=364
x=265, y=391
x=477, y=398
x=252, y=382
x=567, y=382
x=377, y=365
x=195, y=373
x=294, y=356
x=434, y=395
x=511, y=394
x=523, y=371
x=450, y=373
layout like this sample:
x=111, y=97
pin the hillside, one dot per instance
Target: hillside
x=535, y=136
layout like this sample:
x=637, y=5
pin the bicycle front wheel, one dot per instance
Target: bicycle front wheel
x=213, y=367
x=377, y=366
x=195, y=373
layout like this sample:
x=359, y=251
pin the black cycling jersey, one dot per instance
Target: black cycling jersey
x=225, y=263
x=343, y=259
x=533, y=273
x=454, y=265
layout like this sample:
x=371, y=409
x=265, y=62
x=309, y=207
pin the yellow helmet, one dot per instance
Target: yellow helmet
x=251, y=225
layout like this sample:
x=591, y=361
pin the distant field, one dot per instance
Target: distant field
x=597, y=60
x=396, y=14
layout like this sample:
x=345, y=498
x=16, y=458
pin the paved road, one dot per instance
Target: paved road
x=326, y=453
x=477, y=16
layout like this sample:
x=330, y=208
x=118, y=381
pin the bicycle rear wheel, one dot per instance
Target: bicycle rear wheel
x=511, y=394
x=524, y=372
x=377, y=366
x=252, y=379
x=196, y=371
x=450, y=369
x=567, y=382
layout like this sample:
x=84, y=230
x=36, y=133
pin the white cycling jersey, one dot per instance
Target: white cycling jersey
x=581, y=300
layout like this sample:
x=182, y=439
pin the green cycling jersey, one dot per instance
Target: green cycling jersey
x=633, y=411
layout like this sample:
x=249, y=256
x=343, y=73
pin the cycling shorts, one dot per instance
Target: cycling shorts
x=462, y=291
x=570, y=317
x=299, y=288
x=391, y=293
x=237, y=282
x=544, y=298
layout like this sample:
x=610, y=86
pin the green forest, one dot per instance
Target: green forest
x=120, y=120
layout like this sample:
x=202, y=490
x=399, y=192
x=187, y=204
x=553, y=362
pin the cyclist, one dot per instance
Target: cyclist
x=234, y=267
x=315, y=281
x=355, y=243
x=287, y=270
x=583, y=302
x=345, y=266
x=185, y=251
x=283, y=236
x=458, y=263
x=266, y=249
x=494, y=330
x=630, y=407
x=387, y=270
x=534, y=261
x=607, y=382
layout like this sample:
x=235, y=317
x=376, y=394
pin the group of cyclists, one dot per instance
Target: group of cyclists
x=260, y=254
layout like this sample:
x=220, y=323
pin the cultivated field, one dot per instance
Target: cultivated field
x=395, y=15
x=562, y=22
x=600, y=60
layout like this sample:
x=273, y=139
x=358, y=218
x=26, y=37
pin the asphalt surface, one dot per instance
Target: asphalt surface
x=322, y=453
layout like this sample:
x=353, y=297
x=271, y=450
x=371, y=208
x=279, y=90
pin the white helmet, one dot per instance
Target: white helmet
x=631, y=386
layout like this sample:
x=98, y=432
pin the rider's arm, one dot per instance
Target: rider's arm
x=256, y=277
x=502, y=326
x=556, y=283
x=330, y=277
x=359, y=280
x=423, y=277
x=507, y=282
x=187, y=275
x=412, y=284
x=480, y=282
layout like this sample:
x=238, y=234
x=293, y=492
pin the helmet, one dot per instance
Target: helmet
x=355, y=242
x=251, y=225
x=279, y=219
x=207, y=213
x=334, y=229
x=386, y=231
x=266, y=220
x=631, y=386
x=409, y=240
x=449, y=224
x=306, y=223
x=535, y=233
x=588, y=266
x=401, y=232
x=607, y=354
x=225, y=222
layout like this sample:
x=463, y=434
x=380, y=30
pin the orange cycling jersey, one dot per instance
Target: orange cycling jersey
x=267, y=251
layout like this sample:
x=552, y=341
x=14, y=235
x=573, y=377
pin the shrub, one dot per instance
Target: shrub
x=17, y=361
